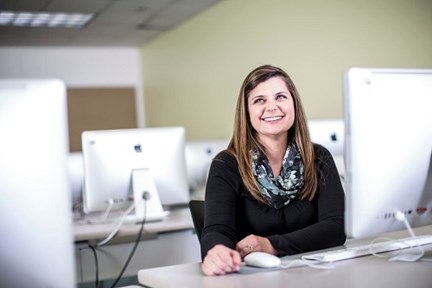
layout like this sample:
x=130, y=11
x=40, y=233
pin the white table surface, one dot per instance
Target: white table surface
x=368, y=271
x=177, y=219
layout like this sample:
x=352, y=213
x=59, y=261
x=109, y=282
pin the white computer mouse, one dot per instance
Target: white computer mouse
x=262, y=260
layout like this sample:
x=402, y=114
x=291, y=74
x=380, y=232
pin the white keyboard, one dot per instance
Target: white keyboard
x=368, y=249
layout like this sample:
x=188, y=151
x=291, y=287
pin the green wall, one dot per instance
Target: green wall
x=192, y=74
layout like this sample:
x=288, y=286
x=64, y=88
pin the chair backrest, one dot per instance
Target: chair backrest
x=196, y=208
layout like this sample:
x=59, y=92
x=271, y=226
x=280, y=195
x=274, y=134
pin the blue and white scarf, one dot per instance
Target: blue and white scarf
x=279, y=190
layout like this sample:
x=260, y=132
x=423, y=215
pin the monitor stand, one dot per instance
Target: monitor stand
x=147, y=202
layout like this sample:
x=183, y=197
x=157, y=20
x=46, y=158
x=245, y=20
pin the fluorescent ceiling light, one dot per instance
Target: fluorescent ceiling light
x=44, y=19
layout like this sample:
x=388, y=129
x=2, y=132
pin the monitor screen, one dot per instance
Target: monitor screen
x=111, y=156
x=36, y=245
x=388, y=149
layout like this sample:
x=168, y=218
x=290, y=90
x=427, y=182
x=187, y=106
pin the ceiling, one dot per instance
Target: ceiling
x=116, y=22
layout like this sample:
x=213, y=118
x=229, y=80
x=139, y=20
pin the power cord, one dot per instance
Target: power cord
x=146, y=196
x=402, y=257
x=407, y=257
x=96, y=264
x=307, y=262
x=108, y=210
x=374, y=249
x=117, y=228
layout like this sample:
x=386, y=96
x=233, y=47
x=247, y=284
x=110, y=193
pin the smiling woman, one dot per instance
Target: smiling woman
x=272, y=190
x=271, y=110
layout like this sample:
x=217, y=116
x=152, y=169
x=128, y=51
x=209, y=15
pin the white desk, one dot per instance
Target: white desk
x=369, y=271
x=176, y=220
x=167, y=242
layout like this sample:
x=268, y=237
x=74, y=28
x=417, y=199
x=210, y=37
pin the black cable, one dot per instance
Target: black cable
x=96, y=264
x=145, y=197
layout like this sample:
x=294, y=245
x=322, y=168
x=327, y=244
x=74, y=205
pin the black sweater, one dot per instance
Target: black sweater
x=231, y=213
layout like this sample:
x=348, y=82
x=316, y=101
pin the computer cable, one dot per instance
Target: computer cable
x=108, y=210
x=377, y=247
x=407, y=257
x=96, y=264
x=146, y=196
x=404, y=257
x=117, y=228
x=306, y=262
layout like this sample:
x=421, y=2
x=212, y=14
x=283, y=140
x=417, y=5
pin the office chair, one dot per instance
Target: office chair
x=196, y=208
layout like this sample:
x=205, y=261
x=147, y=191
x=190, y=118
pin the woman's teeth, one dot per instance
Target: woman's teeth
x=269, y=119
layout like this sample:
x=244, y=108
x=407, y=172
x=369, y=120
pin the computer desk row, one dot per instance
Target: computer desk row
x=368, y=271
x=159, y=246
x=177, y=219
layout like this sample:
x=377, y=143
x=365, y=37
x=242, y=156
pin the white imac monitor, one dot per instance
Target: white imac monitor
x=36, y=246
x=388, y=149
x=330, y=134
x=199, y=155
x=112, y=158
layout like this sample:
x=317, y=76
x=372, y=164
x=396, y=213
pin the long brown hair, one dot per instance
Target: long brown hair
x=244, y=138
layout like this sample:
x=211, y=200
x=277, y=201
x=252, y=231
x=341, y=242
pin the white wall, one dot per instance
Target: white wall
x=192, y=73
x=78, y=67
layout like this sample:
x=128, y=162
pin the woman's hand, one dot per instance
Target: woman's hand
x=220, y=260
x=253, y=243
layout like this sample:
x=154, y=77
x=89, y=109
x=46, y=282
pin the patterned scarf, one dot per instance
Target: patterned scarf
x=279, y=190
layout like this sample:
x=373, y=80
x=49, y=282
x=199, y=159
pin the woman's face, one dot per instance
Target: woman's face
x=271, y=108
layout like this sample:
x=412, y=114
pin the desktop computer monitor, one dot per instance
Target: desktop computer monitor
x=199, y=155
x=112, y=158
x=36, y=246
x=330, y=134
x=388, y=149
